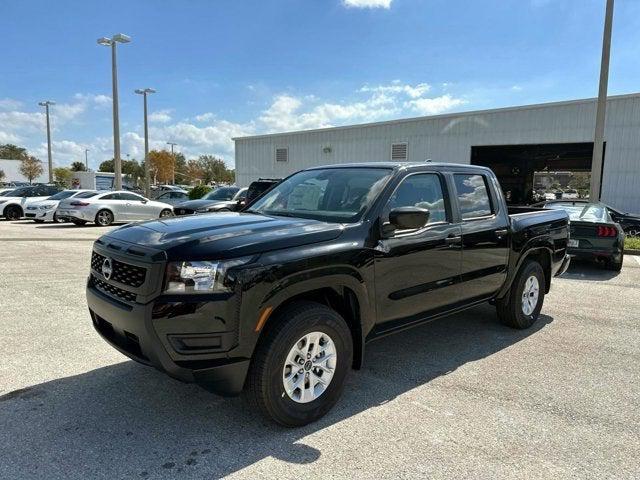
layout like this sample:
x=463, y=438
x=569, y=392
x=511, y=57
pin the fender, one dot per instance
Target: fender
x=531, y=247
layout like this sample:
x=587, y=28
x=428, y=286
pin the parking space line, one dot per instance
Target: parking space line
x=637, y=257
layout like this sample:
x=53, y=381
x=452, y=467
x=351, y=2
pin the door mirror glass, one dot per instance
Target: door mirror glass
x=408, y=218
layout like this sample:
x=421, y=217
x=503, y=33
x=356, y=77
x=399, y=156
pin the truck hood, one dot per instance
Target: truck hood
x=224, y=235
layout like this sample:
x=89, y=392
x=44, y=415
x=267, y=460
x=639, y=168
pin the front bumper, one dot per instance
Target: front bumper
x=187, y=346
x=42, y=215
x=564, y=266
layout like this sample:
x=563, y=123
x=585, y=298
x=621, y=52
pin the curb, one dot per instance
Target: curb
x=628, y=251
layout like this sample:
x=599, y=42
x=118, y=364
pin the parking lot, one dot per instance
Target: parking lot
x=461, y=397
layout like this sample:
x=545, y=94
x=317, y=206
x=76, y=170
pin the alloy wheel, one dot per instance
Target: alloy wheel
x=530, y=295
x=309, y=367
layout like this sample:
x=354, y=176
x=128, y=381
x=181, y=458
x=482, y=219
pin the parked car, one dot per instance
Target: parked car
x=5, y=192
x=13, y=207
x=260, y=186
x=45, y=210
x=173, y=197
x=629, y=222
x=594, y=235
x=283, y=297
x=108, y=207
x=570, y=194
x=202, y=205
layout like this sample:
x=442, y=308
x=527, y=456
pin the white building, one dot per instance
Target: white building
x=514, y=141
x=11, y=169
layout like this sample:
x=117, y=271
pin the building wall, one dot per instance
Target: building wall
x=11, y=169
x=449, y=138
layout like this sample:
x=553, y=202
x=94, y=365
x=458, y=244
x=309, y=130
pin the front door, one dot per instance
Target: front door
x=416, y=272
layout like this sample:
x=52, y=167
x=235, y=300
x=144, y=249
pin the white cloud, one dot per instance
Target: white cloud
x=160, y=116
x=205, y=117
x=367, y=3
x=413, y=91
x=9, y=104
x=435, y=105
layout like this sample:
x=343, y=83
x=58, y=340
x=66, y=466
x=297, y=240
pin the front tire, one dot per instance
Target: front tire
x=300, y=365
x=13, y=212
x=166, y=213
x=521, y=306
x=104, y=218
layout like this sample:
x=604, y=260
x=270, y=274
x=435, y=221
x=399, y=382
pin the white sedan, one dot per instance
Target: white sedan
x=45, y=210
x=112, y=207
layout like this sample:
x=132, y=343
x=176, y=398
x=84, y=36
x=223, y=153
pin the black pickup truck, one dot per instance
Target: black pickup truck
x=281, y=298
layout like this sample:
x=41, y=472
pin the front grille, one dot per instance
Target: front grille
x=112, y=290
x=30, y=215
x=124, y=273
x=183, y=211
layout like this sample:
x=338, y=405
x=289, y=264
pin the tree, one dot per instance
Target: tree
x=106, y=166
x=161, y=165
x=129, y=167
x=215, y=170
x=31, y=167
x=63, y=176
x=193, y=172
x=199, y=191
x=78, y=167
x=12, y=152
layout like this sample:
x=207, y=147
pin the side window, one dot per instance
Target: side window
x=178, y=195
x=130, y=197
x=111, y=196
x=473, y=195
x=422, y=190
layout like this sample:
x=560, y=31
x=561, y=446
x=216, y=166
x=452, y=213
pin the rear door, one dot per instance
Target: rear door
x=136, y=207
x=485, y=239
x=117, y=205
x=416, y=271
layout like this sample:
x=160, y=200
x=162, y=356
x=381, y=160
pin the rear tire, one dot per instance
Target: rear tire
x=521, y=306
x=614, y=266
x=294, y=330
x=166, y=213
x=104, y=218
x=13, y=212
x=56, y=219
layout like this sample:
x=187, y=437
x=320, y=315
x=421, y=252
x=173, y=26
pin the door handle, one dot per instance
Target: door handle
x=501, y=233
x=453, y=240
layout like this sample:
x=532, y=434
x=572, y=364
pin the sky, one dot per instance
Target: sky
x=227, y=68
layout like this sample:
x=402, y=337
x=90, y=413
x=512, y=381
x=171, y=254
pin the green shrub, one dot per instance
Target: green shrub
x=199, y=192
x=632, y=243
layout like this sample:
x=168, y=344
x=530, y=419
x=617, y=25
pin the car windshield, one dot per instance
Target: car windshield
x=6, y=193
x=61, y=195
x=586, y=212
x=331, y=195
x=21, y=192
x=224, y=193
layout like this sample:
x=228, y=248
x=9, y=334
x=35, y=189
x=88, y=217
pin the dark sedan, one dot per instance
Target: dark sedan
x=593, y=233
x=629, y=222
x=219, y=199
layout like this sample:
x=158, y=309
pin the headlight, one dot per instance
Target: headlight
x=3, y=201
x=46, y=207
x=201, y=277
x=202, y=210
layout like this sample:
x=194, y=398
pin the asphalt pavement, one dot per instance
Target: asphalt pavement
x=461, y=397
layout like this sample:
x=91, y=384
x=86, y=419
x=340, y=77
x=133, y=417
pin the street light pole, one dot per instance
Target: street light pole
x=174, y=161
x=598, y=143
x=117, y=161
x=86, y=158
x=46, y=105
x=147, y=176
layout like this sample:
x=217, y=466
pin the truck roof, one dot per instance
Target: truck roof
x=401, y=165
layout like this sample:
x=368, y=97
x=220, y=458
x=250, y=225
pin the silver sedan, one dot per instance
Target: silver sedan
x=112, y=207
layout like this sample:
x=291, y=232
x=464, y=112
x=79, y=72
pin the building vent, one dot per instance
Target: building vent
x=399, y=152
x=282, y=154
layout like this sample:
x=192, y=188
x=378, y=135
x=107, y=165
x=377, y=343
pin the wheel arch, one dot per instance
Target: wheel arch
x=542, y=254
x=339, y=297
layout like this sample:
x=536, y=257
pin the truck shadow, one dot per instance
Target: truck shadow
x=127, y=420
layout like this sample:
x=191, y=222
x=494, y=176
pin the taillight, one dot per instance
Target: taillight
x=79, y=204
x=607, y=232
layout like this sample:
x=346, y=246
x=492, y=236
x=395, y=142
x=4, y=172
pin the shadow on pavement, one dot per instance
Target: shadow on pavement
x=583, y=270
x=127, y=420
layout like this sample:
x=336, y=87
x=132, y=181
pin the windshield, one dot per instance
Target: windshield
x=62, y=195
x=21, y=192
x=331, y=195
x=224, y=193
x=588, y=212
x=6, y=193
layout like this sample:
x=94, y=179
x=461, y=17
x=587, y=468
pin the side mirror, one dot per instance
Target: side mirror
x=408, y=218
x=144, y=201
